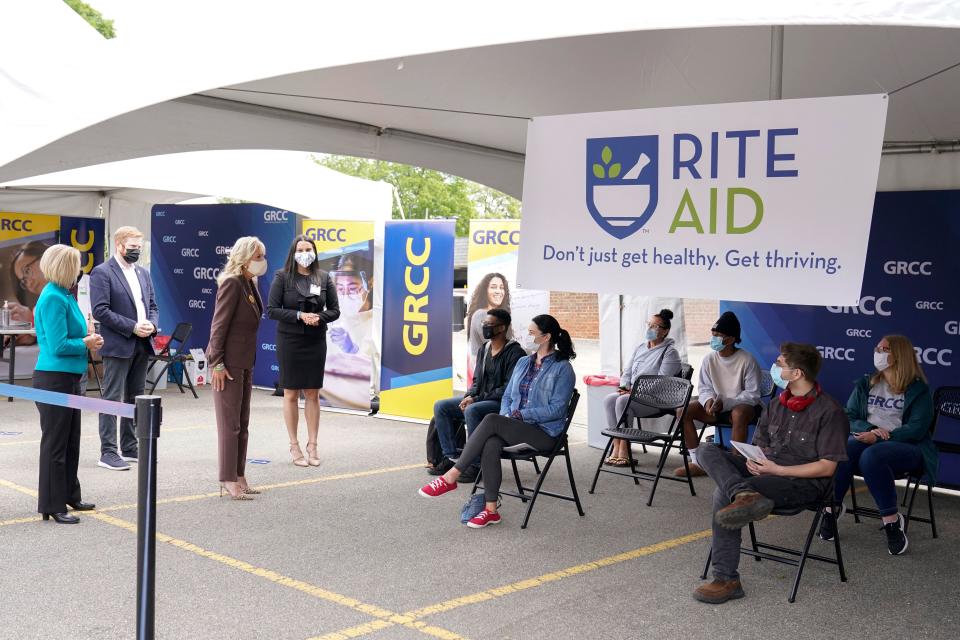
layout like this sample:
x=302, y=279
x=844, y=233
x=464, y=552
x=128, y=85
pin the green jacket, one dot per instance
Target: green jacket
x=917, y=418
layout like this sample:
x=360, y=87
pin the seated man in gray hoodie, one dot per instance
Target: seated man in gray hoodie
x=655, y=356
x=496, y=359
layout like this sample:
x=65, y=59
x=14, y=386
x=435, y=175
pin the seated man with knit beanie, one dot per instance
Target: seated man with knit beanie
x=803, y=435
x=728, y=391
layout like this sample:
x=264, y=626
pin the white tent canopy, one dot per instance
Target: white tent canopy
x=284, y=179
x=453, y=90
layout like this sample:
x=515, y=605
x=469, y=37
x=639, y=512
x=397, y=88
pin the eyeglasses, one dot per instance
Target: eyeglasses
x=882, y=350
x=492, y=324
x=656, y=326
x=349, y=290
x=27, y=272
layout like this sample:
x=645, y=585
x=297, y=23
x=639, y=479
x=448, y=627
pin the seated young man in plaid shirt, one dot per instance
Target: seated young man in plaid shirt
x=803, y=434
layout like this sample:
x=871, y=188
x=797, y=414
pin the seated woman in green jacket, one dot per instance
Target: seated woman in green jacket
x=890, y=413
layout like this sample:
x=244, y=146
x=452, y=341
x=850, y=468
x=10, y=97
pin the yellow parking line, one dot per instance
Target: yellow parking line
x=522, y=585
x=17, y=487
x=384, y=616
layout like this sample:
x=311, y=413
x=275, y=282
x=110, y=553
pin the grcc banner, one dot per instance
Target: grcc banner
x=756, y=201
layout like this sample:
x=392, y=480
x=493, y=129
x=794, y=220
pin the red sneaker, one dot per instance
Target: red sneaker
x=437, y=487
x=482, y=519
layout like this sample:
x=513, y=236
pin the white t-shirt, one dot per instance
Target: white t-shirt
x=884, y=407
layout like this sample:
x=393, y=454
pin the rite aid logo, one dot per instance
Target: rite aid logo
x=622, y=182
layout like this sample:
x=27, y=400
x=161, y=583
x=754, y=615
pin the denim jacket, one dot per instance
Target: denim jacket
x=549, y=394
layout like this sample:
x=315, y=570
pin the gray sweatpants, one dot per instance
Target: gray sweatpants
x=614, y=404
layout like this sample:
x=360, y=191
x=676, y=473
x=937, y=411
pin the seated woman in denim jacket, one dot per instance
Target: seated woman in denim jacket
x=890, y=413
x=533, y=411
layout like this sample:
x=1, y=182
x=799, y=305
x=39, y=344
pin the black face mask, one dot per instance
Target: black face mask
x=132, y=255
x=490, y=330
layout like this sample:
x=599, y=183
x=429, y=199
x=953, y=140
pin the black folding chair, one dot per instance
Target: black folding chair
x=793, y=557
x=92, y=364
x=946, y=401
x=560, y=448
x=670, y=396
x=178, y=340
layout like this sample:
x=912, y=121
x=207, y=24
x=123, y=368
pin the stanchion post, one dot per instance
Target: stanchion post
x=147, y=421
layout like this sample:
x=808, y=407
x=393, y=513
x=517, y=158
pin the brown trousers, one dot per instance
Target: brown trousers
x=232, y=406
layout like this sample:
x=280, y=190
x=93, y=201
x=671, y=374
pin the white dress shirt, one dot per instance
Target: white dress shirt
x=130, y=273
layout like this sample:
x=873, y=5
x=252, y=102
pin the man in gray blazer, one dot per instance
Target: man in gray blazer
x=121, y=295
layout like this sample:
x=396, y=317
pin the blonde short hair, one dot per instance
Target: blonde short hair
x=242, y=252
x=60, y=265
x=123, y=234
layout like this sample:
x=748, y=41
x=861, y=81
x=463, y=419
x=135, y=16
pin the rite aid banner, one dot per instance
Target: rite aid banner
x=345, y=250
x=189, y=245
x=761, y=201
x=492, y=283
x=909, y=287
x=416, y=369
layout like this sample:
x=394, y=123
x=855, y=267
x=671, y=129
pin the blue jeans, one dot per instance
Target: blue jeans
x=447, y=414
x=879, y=464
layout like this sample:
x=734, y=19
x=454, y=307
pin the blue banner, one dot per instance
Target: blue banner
x=909, y=288
x=87, y=236
x=416, y=366
x=190, y=244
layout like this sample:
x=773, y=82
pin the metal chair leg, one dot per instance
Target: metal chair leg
x=536, y=492
x=836, y=544
x=156, y=381
x=706, y=567
x=660, y=464
x=933, y=519
x=633, y=464
x=536, y=466
x=516, y=477
x=753, y=542
x=913, y=497
x=603, y=457
x=192, y=390
x=573, y=484
x=803, y=556
x=853, y=500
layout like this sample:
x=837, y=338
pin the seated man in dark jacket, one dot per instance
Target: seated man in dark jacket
x=495, y=362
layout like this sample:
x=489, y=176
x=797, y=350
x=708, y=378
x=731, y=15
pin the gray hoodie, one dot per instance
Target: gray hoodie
x=661, y=360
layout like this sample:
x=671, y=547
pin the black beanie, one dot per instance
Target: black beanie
x=728, y=325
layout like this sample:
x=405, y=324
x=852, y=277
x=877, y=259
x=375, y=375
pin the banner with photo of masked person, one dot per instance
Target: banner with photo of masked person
x=491, y=283
x=417, y=366
x=345, y=250
x=23, y=239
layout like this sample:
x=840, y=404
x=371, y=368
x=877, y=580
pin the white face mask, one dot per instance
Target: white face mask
x=257, y=267
x=351, y=304
x=304, y=258
x=881, y=360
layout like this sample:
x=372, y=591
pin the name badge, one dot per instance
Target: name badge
x=316, y=290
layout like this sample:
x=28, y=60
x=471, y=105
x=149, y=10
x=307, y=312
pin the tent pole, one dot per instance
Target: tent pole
x=776, y=62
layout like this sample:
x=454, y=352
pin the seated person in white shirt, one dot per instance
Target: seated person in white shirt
x=728, y=392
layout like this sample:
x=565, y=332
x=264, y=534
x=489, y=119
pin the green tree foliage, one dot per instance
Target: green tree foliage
x=92, y=16
x=425, y=193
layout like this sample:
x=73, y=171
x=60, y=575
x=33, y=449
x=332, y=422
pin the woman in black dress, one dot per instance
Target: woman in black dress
x=302, y=300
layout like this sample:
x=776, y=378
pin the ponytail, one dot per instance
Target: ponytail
x=559, y=337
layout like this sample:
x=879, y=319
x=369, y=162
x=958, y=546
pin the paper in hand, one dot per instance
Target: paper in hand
x=749, y=451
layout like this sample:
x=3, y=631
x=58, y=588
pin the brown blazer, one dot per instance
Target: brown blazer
x=236, y=318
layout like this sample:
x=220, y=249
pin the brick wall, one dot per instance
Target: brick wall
x=699, y=316
x=578, y=313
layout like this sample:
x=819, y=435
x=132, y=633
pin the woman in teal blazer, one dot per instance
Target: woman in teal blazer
x=63, y=339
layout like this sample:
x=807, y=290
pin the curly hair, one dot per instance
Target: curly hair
x=479, y=298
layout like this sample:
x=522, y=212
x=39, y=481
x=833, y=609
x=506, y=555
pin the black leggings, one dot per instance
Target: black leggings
x=488, y=440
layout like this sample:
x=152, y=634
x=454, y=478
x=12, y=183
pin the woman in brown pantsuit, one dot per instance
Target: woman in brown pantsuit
x=231, y=354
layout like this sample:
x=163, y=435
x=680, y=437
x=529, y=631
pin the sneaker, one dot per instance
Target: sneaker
x=470, y=475
x=828, y=525
x=696, y=471
x=896, y=538
x=483, y=519
x=747, y=507
x=129, y=457
x=110, y=460
x=719, y=591
x=441, y=468
x=437, y=487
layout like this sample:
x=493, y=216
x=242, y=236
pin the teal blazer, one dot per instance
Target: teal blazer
x=60, y=331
